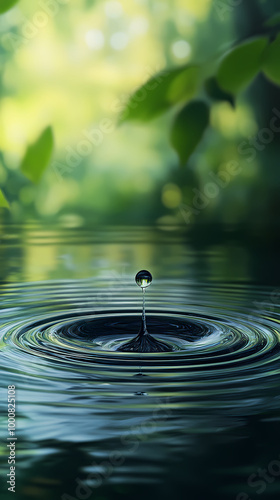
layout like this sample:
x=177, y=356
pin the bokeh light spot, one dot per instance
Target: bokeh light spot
x=113, y=9
x=119, y=40
x=181, y=49
x=95, y=39
x=171, y=196
x=139, y=26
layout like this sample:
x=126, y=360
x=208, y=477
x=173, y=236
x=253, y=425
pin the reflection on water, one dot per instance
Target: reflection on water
x=94, y=422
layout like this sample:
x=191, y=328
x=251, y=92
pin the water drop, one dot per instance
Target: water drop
x=144, y=342
x=143, y=279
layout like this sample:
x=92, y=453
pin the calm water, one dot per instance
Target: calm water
x=92, y=422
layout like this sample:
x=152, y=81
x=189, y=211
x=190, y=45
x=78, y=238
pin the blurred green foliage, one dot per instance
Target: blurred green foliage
x=34, y=163
x=271, y=59
x=206, y=82
x=6, y=5
x=216, y=93
x=188, y=128
x=236, y=70
x=241, y=65
x=38, y=155
x=3, y=201
x=274, y=20
x=161, y=92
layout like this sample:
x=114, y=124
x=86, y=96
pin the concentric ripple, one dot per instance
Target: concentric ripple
x=221, y=344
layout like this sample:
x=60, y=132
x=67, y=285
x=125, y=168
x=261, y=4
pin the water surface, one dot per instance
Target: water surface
x=93, y=422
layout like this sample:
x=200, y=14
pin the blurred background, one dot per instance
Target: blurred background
x=73, y=66
x=140, y=134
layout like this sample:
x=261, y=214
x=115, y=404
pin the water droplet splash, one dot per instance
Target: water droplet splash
x=144, y=342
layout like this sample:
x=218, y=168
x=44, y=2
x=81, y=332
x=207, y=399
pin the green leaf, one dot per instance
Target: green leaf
x=38, y=155
x=273, y=21
x=188, y=128
x=7, y=5
x=3, y=201
x=241, y=65
x=161, y=92
x=216, y=93
x=271, y=66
